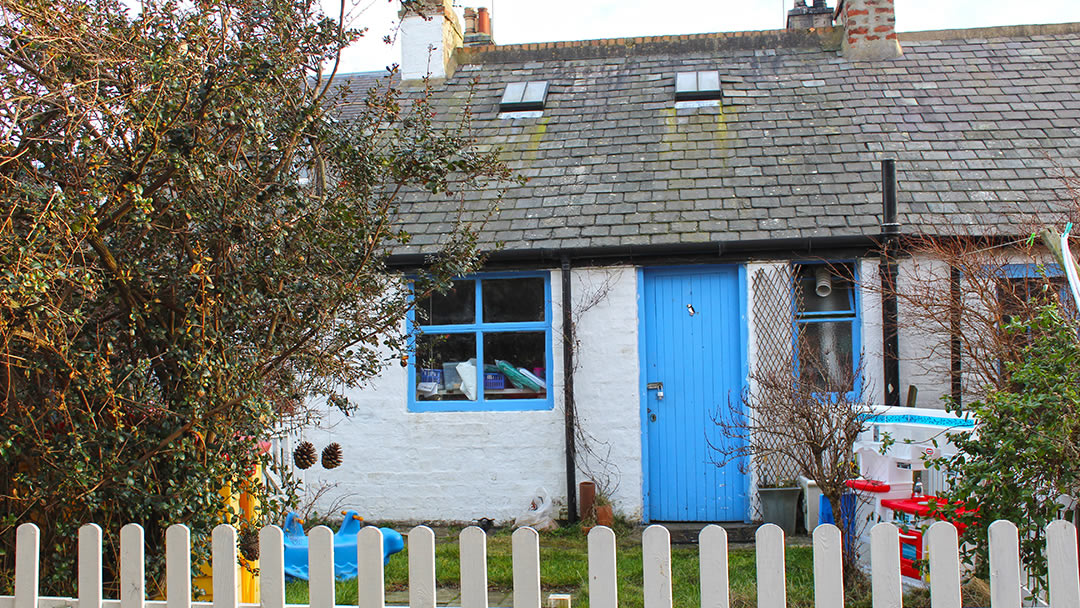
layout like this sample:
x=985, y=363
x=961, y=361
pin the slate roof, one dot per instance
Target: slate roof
x=979, y=122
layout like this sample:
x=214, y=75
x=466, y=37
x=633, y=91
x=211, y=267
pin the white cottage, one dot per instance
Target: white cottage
x=677, y=186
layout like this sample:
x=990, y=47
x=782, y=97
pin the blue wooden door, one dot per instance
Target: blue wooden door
x=693, y=345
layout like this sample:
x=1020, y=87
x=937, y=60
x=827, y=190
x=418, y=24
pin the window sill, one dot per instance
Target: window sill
x=495, y=405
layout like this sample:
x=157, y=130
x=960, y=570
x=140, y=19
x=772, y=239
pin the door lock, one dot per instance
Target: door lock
x=658, y=387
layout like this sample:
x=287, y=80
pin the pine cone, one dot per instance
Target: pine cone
x=248, y=542
x=304, y=455
x=331, y=456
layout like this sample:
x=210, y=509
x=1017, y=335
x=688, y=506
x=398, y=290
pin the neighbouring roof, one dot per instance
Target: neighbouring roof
x=979, y=122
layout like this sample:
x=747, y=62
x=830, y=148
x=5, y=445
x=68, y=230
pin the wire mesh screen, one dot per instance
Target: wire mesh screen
x=774, y=303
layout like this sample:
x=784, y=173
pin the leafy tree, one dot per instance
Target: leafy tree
x=191, y=245
x=1024, y=454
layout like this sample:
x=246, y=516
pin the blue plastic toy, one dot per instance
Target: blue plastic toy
x=296, y=546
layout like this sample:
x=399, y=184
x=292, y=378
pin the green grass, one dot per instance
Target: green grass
x=564, y=569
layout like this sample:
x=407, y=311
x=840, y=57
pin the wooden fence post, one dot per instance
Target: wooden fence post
x=944, y=552
x=713, y=567
x=828, y=566
x=771, y=585
x=132, y=567
x=271, y=567
x=474, y=587
x=27, y=566
x=90, y=582
x=885, y=566
x=371, y=582
x=224, y=564
x=422, y=588
x=603, y=579
x=1062, y=560
x=525, y=547
x=321, y=567
x=1004, y=565
x=177, y=567
x=656, y=563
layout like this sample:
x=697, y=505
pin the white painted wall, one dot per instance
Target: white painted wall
x=460, y=466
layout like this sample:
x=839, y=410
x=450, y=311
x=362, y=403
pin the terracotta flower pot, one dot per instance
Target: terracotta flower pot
x=604, y=515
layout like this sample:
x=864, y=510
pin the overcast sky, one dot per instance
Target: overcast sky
x=520, y=21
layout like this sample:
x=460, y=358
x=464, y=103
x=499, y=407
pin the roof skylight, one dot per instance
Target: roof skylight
x=697, y=85
x=524, y=96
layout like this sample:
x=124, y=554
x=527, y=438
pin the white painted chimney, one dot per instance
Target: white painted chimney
x=430, y=31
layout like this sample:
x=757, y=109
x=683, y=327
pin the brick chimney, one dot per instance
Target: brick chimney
x=477, y=27
x=430, y=31
x=804, y=17
x=869, y=30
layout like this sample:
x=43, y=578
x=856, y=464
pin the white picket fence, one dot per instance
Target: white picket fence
x=656, y=547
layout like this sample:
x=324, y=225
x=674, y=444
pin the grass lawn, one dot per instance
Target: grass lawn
x=564, y=568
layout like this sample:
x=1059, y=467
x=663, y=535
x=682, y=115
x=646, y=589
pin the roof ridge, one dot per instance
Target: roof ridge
x=1000, y=31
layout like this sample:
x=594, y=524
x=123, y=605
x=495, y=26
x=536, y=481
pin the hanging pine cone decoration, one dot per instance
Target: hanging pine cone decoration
x=304, y=455
x=248, y=544
x=331, y=456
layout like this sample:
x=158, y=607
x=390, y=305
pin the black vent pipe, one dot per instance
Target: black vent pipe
x=890, y=235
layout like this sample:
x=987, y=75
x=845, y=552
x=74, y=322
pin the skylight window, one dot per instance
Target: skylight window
x=697, y=85
x=524, y=96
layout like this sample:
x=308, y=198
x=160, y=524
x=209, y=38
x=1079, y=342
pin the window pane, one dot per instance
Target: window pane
x=823, y=290
x=446, y=367
x=826, y=358
x=513, y=300
x=514, y=365
x=456, y=306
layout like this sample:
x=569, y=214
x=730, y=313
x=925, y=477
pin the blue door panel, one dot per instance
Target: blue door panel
x=692, y=345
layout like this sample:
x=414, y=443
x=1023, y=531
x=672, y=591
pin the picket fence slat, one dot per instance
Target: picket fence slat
x=132, y=567
x=90, y=581
x=271, y=567
x=603, y=577
x=474, y=588
x=885, y=566
x=27, y=566
x=828, y=567
x=828, y=546
x=656, y=561
x=369, y=568
x=771, y=586
x=525, y=556
x=1004, y=565
x=178, y=566
x=942, y=544
x=713, y=565
x=321, y=567
x=1062, y=558
x=223, y=562
x=421, y=567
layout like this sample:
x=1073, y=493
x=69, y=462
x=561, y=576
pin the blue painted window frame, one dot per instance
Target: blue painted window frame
x=479, y=328
x=1039, y=271
x=852, y=315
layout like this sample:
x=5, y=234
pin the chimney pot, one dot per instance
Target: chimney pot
x=483, y=21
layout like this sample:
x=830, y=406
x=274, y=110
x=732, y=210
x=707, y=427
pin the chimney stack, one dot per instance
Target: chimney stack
x=429, y=34
x=869, y=30
x=478, y=27
x=804, y=17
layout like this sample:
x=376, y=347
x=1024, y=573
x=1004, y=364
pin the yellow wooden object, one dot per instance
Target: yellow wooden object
x=241, y=506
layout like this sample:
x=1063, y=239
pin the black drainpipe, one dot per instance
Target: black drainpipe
x=890, y=234
x=568, y=393
x=955, y=302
